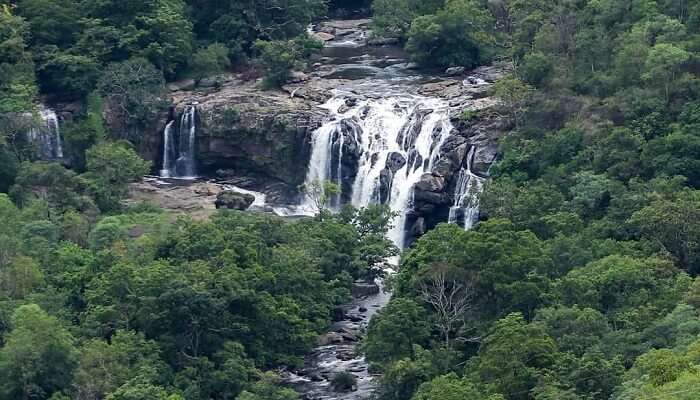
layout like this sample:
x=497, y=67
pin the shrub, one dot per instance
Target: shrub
x=344, y=382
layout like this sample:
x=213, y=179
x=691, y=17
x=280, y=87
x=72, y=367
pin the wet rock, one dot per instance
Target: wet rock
x=430, y=183
x=386, y=179
x=484, y=157
x=382, y=41
x=187, y=84
x=364, y=289
x=409, y=132
x=349, y=335
x=209, y=83
x=347, y=355
x=208, y=189
x=453, y=71
x=415, y=160
x=298, y=77
x=338, y=314
x=234, y=200
x=330, y=338
x=395, y=161
x=323, y=36
x=356, y=318
x=315, y=376
x=362, y=309
x=418, y=229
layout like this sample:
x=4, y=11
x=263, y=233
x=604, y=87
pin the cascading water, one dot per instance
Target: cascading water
x=466, y=204
x=179, y=155
x=168, y=150
x=398, y=140
x=47, y=135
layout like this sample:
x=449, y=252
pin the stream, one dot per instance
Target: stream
x=380, y=139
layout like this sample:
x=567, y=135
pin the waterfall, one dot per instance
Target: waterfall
x=47, y=135
x=168, y=150
x=179, y=150
x=466, y=204
x=398, y=140
x=185, y=163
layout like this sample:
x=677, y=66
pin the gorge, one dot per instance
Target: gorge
x=365, y=120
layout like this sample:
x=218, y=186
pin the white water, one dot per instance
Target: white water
x=47, y=135
x=184, y=165
x=466, y=195
x=407, y=127
x=167, y=150
x=260, y=198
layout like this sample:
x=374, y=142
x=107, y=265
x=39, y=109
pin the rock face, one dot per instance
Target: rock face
x=248, y=132
x=483, y=130
x=234, y=200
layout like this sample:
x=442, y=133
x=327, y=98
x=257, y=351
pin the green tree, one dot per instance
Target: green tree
x=631, y=292
x=459, y=34
x=319, y=195
x=512, y=355
x=110, y=168
x=210, y=60
x=105, y=367
x=38, y=358
x=663, y=64
x=20, y=278
x=514, y=95
x=278, y=58
x=393, y=18
x=133, y=89
x=52, y=183
x=670, y=223
x=395, y=330
x=267, y=388
x=451, y=387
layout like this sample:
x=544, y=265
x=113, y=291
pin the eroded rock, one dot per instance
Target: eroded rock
x=234, y=201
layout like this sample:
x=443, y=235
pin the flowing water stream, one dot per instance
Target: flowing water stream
x=179, y=140
x=47, y=135
x=380, y=138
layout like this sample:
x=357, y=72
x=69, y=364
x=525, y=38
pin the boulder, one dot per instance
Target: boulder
x=418, y=229
x=208, y=189
x=323, y=36
x=298, y=76
x=330, y=338
x=382, y=41
x=386, y=180
x=395, y=161
x=187, y=84
x=363, y=289
x=234, y=200
x=430, y=183
x=209, y=83
x=454, y=71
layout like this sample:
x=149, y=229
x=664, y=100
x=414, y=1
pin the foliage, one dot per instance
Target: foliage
x=110, y=168
x=38, y=358
x=457, y=35
x=344, y=382
x=134, y=89
x=210, y=60
x=319, y=194
x=279, y=58
x=393, y=18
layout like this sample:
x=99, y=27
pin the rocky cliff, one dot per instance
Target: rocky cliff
x=261, y=140
x=258, y=139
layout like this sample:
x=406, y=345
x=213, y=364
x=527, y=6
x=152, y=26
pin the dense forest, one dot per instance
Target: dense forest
x=580, y=281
